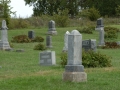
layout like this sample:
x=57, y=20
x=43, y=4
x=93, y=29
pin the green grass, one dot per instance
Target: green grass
x=21, y=70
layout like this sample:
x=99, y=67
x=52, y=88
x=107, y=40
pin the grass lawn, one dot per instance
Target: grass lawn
x=21, y=70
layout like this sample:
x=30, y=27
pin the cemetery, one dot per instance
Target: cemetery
x=62, y=45
x=25, y=66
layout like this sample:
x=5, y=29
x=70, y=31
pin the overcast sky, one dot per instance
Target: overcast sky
x=21, y=9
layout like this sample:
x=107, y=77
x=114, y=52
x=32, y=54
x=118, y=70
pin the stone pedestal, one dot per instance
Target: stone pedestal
x=101, y=36
x=49, y=41
x=75, y=76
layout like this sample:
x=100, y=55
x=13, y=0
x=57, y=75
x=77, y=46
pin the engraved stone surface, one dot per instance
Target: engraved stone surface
x=47, y=58
x=31, y=34
x=89, y=44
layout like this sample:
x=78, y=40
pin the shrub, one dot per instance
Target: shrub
x=18, y=23
x=63, y=57
x=111, y=33
x=21, y=39
x=61, y=18
x=40, y=46
x=90, y=59
x=88, y=30
x=111, y=45
x=38, y=39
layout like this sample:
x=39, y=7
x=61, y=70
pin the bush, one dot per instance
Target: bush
x=61, y=18
x=63, y=57
x=40, y=46
x=88, y=30
x=111, y=33
x=38, y=39
x=21, y=39
x=111, y=45
x=18, y=23
x=90, y=59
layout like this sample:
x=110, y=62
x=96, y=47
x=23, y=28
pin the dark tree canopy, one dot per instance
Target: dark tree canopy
x=105, y=7
x=53, y=6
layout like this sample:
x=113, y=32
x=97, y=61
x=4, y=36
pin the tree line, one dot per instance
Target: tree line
x=105, y=7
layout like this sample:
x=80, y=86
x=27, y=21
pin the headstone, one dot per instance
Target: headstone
x=74, y=70
x=100, y=28
x=65, y=48
x=52, y=29
x=31, y=34
x=99, y=23
x=47, y=58
x=49, y=41
x=89, y=44
x=4, y=44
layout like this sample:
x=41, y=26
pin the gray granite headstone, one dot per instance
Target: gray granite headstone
x=49, y=41
x=47, y=58
x=52, y=29
x=99, y=23
x=4, y=44
x=89, y=44
x=74, y=70
x=100, y=28
x=31, y=34
x=65, y=48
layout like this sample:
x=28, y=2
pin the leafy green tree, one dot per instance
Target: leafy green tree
x=105, y=7
x=51, y=7
x=5, y=10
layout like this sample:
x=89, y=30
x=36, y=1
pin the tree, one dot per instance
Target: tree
x=5, y=10
x=53, y=6
x=105, y=7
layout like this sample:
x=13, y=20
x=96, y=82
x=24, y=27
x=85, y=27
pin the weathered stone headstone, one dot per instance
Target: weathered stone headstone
x=47, y=58
x=89, y=44
x=52, y=29
x=4, y=44
x=49, y=41
x=65, y=48
x=31, y=34
x=100, y=28
x=74, y=70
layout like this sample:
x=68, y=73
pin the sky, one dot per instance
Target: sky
x=21, y=9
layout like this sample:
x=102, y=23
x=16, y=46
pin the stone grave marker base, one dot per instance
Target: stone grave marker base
x=75, y=76
x=52, y=33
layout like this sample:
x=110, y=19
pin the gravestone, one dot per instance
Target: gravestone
x=100, y=28
x=89, y=44
x=52, y=29
x=31, y=34
x=47, y=58
x=4, y=44
x=65, y=48
x=74, y=70
x=49, y=41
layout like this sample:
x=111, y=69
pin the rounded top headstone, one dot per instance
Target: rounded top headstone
x=75, y=32
x=4, y=24
x=67, y=32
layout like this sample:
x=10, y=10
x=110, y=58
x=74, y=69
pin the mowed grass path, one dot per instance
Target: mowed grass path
x=21, y=70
